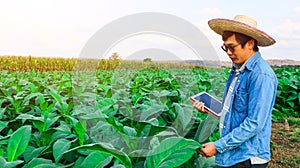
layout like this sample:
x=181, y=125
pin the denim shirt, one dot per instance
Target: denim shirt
x=247, y=126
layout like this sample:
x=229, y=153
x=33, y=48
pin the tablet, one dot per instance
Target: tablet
x=213, y=105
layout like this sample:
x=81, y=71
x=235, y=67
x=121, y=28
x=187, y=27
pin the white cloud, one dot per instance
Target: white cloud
x=289, y=29
x=296, y=9
x=287, y=33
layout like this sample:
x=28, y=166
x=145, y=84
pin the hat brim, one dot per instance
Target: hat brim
x=221, y=25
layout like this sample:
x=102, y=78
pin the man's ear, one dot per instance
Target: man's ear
x=250, y=44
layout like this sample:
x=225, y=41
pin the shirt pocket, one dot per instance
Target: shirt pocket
x=240, y=103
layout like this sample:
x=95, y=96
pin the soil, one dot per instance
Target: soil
x=285, y=144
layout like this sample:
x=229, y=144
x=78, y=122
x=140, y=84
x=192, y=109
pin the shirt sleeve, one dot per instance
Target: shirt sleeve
x=262, y=93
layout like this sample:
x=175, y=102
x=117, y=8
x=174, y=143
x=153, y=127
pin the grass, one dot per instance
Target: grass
x=285, y=144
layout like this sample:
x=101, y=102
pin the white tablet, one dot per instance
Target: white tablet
x=213, y=105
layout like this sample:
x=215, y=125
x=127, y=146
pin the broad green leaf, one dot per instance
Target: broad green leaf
x=64, y=128
x=153, y=111
x=59, y=147
x=46, y=136
x=95, y=160
x=105, y=103
x=130, y=131
x=184, y=117
x=107, y=149
x=292, y=95
x=2, y=110
x=48, y=165
x=96, y=115
x=32, y=152
x=3, y=124
x=5, y=164
x=172, y=152
x=80, y=129
x=25, y=117
x=153, y=130
x=53, y=136
x=56, y=96
x=18, y=142
x=202, y=162
x=38, y=161
x=30, y=96
x=292, y=104
x=205, y=129
x=1, y=152
x=117, y=166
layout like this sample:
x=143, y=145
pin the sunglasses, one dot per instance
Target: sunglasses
x=230, y=47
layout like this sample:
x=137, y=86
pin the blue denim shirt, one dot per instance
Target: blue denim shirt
x=247, y=125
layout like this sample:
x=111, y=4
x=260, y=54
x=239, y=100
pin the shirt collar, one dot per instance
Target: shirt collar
x=249, y=64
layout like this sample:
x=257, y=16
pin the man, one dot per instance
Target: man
x=249, y=96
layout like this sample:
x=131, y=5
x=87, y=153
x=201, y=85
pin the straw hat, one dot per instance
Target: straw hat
x=244, y=25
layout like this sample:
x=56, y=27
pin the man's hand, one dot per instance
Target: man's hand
x=208, y=150
x=199, y=106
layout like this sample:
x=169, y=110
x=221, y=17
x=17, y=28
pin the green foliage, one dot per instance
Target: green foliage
x=171, y=152
x=147, y=60
x=288, y=93
x=120, y=118
x=18, y=142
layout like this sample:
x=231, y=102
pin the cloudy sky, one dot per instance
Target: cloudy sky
x=62, y=28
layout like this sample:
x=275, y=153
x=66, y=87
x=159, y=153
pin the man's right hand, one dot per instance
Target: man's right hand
x=199, y=106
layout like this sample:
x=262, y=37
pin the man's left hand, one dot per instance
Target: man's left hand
x=208, y=150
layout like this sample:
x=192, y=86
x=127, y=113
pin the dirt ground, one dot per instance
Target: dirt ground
x=286, y=144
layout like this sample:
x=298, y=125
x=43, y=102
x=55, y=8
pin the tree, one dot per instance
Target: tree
x=115, y=56
x=147, y=60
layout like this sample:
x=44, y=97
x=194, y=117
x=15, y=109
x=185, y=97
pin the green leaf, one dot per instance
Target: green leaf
x=153, y=111
x=38, y=161
x=3, y=125
x=96, y=115
x=80, y=129
x=48, y=165
x=25, y=117
x=5, y=164
x=95, y=160
x=18, y=142
x=105, y=103
x=130, y=131
x=205, y=129
x=46, y=136
x=184, y=117
x=202, y=162
x=32, y=152
x=172, y=152
x=292, y=95
x=64, y=128
x=59, y=147
x=107, y=149
x=56, y=96
x=26, y=100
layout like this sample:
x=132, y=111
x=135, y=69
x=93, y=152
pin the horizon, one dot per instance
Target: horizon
x=138, y=59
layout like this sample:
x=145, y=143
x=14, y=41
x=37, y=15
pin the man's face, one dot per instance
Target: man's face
x=236, y=53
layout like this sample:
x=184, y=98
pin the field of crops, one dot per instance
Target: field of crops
x=117, y=116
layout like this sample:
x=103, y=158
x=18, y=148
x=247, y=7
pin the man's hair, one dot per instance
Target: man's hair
x=241, y=38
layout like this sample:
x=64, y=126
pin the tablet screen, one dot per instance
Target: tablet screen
x=210, y=102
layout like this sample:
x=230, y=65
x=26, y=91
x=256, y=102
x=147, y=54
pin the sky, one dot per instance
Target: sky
x=63, y=28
